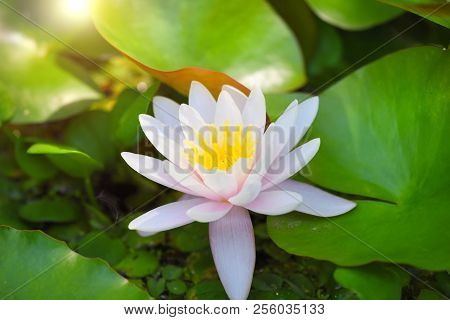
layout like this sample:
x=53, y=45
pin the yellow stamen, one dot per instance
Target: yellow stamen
x=221, y=148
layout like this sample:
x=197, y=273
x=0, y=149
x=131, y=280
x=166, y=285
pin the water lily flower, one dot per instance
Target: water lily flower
x=226, y=170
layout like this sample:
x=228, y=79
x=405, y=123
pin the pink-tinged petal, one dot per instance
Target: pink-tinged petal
x=303, y=115
x=254, y=112
x=239, y=98
x=190, y=181
x=249, y=191
x=233, y=247
x=227, y=113
x=166, y=139
x=209, y=211
x=316, y=201
x=275, y=202
x=166, y=111
x=166, y=217
x=286, y=166
x=203, y=101
x=152, y=169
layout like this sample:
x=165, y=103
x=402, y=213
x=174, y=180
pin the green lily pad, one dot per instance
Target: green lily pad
x=210, y=290
x=176, y=287
x=171, y=272
x=383, y=133
x=36, y=166
x=353, y=14
x=139, y=264
x=9, y=216
x=437, y=11
x=156, y=287
x=70, y=160
x=35, y=266
x=50, y=210
x=192, y=237
x=99, y=244
x=92, y=133
x=374, y=281
x=37, y=86
x=130, y=104
x=168, y=36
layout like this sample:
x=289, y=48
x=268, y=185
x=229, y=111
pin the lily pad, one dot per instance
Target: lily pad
x=36, y=166
x=130, y=104
x=139, y=264
x=38, y=87
x=181, y=41
x=99, y=244
x=50, y=210
x=384, y=136
x=437, y=11
x=70, y=160
x=35, y=266
x=353, y=14
x=374, y=281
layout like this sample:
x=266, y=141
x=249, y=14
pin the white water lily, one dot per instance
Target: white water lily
x=226, y=173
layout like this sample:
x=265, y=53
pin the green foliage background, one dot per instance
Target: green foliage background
x=71, y=90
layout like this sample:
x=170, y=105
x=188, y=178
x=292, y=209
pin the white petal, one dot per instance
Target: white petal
x=166, y=139
x=152, y=169
x=166, y=217
x=189, y=180
x=145, y=234
x=286, y=166
x=304, y=115
x=192, y=123
x=191, y=117
x=221, y=182
x=209, y=211
x=226, y=111
x=272, y=144
x=316, y=201
x=254, y=112
x=249, y=191
x=202, y=100
x=275, y=202
x=239, y=98
x=233, y=247
x=166, y=111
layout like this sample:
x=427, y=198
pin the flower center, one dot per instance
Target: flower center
x=220, y=147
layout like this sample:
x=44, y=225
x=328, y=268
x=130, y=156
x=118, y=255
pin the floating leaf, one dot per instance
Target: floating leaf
x=181, y=41
x=9, y=216
x=70, y=160
x=156, y=287
x=36, y=166
x=99, y=244
x=32, y=78
x=210, y=290
x=435, y=10
x=50, y=210
x=374, y=281
x=171, y=272
x=139, y=264
x=383, y=135
x=130, y=104
x=33, y=266
x=177, y=287
x=92, y=133
x=192, y=237
x=353, y=14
